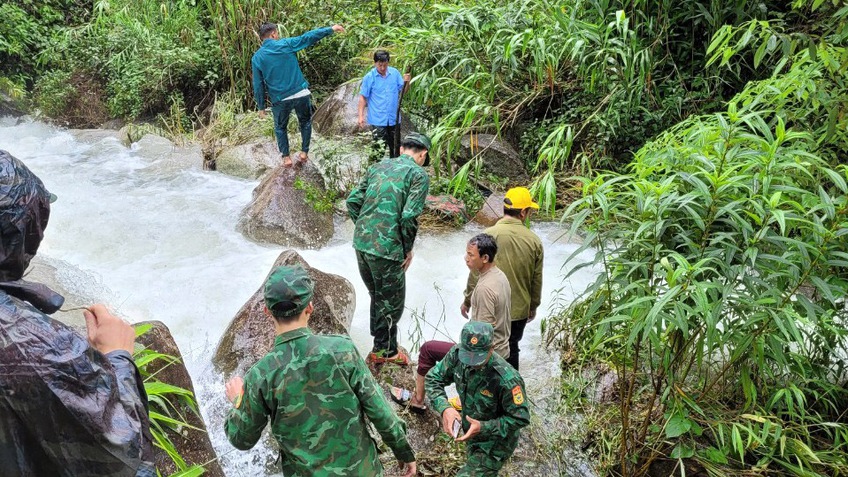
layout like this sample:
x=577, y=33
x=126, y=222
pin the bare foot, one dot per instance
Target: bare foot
x=287, y=161
x=302, y=158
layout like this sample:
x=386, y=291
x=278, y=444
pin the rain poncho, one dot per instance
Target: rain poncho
x=65, y=408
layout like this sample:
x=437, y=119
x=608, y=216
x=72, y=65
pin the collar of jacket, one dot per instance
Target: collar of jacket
x=292, y=335
x=408, y=157
x=508, y=219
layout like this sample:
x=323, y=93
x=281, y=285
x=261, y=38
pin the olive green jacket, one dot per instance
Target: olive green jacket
x=386, y=205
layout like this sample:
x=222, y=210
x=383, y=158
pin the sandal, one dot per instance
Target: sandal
x=404, y=398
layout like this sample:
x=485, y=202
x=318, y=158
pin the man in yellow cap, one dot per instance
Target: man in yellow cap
x=520, y=257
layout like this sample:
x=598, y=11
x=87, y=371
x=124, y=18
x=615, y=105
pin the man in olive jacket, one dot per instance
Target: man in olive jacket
x=520, y=257
x=494, y=407
x=316, y=391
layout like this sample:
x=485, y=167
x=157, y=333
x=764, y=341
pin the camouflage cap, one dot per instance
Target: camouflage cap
x=475, y=342
x=421, y=140
x=288, y=291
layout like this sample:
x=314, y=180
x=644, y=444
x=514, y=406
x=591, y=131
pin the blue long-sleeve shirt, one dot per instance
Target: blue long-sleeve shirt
x=276, y=69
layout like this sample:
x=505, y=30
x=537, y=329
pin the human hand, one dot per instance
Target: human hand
x=473, y=429
x=261, y=114
x=408, y=261
x=407, y=77
x=234, y=388
x=338, y=29
x=409, y=469
x=531, y=316
x=464, y=310
x=448, y=417
x=362, y=122
x=107, y=332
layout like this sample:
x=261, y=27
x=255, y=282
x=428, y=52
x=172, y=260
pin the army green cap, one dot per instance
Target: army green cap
x=475, y=342
x=288, y=291
x=421, y=140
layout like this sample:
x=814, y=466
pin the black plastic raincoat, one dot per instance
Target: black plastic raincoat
x=65, y=408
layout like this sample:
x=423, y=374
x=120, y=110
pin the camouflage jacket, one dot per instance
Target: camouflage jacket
x=317, y=391
x=494, y=395
x=386, y=205
x=520, y=256
x=65, y=408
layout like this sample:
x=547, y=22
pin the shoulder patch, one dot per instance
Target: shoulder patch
x=517, y=395
x=487, y=393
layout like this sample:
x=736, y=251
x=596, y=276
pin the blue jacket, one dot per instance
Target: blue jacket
x=382, y=96
x=275, y=66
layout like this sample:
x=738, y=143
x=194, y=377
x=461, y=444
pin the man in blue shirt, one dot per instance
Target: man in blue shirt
x=276, y=70
x=380, y=89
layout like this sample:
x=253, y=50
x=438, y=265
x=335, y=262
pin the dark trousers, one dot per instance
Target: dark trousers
x=386, y=284
x=432, y=352
x=516, y=332
x=303, y=110
x=383, y=137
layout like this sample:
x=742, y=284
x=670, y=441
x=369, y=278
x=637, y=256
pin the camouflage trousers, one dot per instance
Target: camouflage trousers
x=386, y=284
x=480, y=464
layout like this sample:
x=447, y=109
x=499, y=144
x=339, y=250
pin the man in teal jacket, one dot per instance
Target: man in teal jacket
x=276, y=70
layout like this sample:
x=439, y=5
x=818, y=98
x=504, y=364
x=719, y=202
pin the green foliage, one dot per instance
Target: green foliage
x=721, y=301
x=143, y=52
x=53, y=91
x=322, y=201
x=166, y=403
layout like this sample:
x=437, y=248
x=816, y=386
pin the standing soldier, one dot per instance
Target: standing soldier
x=520, y=257
x=385, y=209
x=493, y=402
x=316, y=390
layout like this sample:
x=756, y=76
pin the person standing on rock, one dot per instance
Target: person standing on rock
x=380, y=94
x=316, y=391
x=493, y=401
x=520, y=257
x=384, y=208
x=275, y=69
x=68, y=406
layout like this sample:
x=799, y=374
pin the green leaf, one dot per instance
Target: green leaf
x=677, y=425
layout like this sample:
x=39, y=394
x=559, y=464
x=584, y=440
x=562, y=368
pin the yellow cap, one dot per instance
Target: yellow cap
x=519, y=198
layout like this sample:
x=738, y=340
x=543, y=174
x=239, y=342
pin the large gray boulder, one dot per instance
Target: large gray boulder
x=251, y=333
x=193, y=442
x=338, y=115
x=280, y=213
x=498, y=157
x=9, y=106
x=249, y=161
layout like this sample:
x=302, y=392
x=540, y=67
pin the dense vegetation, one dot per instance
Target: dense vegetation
x=710, y=139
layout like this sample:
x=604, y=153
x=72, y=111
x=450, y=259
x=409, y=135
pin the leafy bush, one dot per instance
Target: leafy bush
x=721, y=302
x=166, y=402
x=71, y=98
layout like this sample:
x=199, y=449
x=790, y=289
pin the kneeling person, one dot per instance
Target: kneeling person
x=316, y=390
x=493, y=402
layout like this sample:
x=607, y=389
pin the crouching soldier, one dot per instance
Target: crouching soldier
x=493, y=401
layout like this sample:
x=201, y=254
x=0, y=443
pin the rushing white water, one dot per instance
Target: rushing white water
x=159, y=233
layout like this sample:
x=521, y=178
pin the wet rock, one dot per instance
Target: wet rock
x=498, y=157
x=9, y=107
x=603, y=383
x=280, y=212
x=249, y=161
x=251, y=333
x=492, y=210
x=338, y=115
x=194, y=445
x=93, y=136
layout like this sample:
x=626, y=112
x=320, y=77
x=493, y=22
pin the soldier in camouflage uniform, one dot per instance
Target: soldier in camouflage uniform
x=68, y=406
x=385, y=209
x=492, y=395
x=316, y=391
